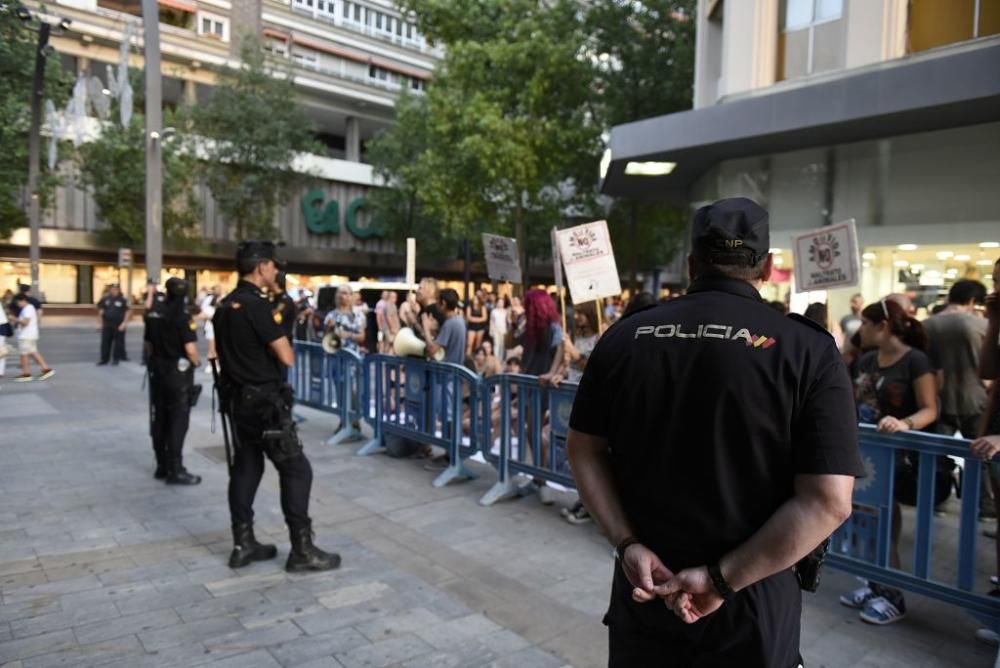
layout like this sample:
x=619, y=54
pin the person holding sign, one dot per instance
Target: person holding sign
x=715, y=442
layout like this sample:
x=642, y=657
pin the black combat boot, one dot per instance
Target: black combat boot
x=178, y=475
x=246, y=548
x=307, y=557
x=161, y=467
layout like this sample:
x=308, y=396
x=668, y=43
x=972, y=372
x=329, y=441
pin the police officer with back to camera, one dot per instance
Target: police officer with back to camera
x=283, y=306
x=715, y=440
x=113, y=309
x=254, y=353
x=172, y=357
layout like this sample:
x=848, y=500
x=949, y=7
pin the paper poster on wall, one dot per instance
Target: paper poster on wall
x=502, y=261
x=589, y=262
x=826, y=258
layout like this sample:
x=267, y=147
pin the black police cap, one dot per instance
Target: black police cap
x=731, y=231
x=259, y=251
x=176, y=287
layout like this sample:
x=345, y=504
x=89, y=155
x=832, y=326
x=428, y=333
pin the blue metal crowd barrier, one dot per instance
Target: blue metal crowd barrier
x=526, y=424
x=430, y=402
x=514, y=409
x=861, y=546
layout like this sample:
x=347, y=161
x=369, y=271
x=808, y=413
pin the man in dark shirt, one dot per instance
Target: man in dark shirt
x=715, y=441
x=254, y=352
x=172, y=357
x=112, y=309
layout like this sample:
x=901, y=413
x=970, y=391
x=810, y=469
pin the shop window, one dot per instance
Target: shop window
x=811, y=38
x=934, y=23
x=56, y=282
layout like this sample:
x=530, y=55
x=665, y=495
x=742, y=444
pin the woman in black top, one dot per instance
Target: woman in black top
x=896, y=390
x=475, y=322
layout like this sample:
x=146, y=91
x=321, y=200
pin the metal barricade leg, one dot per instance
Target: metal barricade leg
x=348, y=390
x=376, y=444
x=504, y=488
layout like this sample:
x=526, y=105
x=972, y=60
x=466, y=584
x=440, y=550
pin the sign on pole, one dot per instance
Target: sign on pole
x=826, y=258
x=589, y=261
x=411, y=262
x=502, y=260
x=556, y=261
x=124, y=257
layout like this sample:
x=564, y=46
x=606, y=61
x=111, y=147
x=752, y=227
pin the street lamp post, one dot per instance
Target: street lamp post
x=34, y=141
x=154, y=121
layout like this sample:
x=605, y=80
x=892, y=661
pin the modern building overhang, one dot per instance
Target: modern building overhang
x=936, y=90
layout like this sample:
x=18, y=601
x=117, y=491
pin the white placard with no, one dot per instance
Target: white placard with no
x=589, y=261
x=826, y=258
x=502, y=261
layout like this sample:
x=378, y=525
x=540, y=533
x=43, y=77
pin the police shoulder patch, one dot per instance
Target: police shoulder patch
x=236, y=305
x=811, y=323
x=192, y=325
x=278, y=317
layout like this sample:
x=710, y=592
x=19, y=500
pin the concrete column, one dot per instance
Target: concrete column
x=82, y=65
x=190, y=92
x=352, y=139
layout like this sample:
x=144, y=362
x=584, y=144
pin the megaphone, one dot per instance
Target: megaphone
x=331, y=342
x=407, y=344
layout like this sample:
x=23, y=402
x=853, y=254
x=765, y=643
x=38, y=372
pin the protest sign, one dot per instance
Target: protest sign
x=826, y=258
x=502, y=262
x=589, y=262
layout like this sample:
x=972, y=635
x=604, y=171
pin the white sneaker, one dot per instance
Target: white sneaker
x=546, y=495
x=988, y=636
x=881, y=611
x=857, y=598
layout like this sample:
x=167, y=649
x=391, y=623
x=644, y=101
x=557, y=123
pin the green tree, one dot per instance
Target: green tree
x=511, y=135
x=394, y=155
x=643, y=55
x=17, y=66
x=112, y=168
x=254, y=128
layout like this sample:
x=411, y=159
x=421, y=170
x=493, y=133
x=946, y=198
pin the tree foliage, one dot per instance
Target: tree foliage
x=508, y=118
x=254, y=128
x=112, y=167
x=17, y=66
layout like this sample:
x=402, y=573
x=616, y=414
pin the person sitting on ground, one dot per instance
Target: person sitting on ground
x=485, y=364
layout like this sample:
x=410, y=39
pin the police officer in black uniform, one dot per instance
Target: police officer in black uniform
x=254, y=353
x=171, y=359
x=715, y=440
x=283, y=306
x=113, y=311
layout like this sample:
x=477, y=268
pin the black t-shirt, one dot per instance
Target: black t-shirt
x=882, y=391
x=113, y=309
x=712, y=403
x=168, y=327
x=244, y=328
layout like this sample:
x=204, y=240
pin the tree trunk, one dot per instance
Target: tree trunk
x=520, y=233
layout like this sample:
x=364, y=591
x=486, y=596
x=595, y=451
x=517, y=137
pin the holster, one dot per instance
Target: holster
x=809, y=569
x=270, y=408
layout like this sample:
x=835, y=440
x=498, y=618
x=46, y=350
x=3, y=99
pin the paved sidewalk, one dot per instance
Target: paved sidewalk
x=101, y=565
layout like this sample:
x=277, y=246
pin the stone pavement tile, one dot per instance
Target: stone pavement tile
x=180, y=656
x=5, y=632
x=136, y=573
x=87, y=634
x=257, y=659
x=29, y=608
x=244, y=583
x=301, y=650
x=246, y=640
x=321, y=662
x=64, y=619
x=201, y=576
x=8, y=567
x=530, y=657
x=457, y=631
x=18, y=580
x=234, y=604
x=273, y=613
x=331, y=620
x=88, y=655
x=181, y=634
x=102, y=569
x=155, y=599
x=353, y=594
x=583, y=646
x=25, y=648
x=53, y=561
x=57, y=588
x=300, y=593
x=407, y=621
x=384, y=653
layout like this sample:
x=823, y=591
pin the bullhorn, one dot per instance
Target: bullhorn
x=331, y=343
x=407, y=344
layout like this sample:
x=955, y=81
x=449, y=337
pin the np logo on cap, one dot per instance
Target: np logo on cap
x=731, y=231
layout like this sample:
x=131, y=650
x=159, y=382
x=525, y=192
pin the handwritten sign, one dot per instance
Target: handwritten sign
x=826, y=258
x=502, y=261
x=589, y=261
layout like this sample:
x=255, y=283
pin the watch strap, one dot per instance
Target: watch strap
x=624, y=545
x=720, y=584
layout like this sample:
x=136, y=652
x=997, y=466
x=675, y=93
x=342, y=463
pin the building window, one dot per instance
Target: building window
x=811, y=38
x=934, y=23
x=418, y=84
x=211, y=25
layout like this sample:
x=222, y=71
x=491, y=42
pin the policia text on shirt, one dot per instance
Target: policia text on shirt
x=254, y=354
x=715, y=441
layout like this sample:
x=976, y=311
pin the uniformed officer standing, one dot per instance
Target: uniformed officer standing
x=112, y=309
x=254, y=353
x=715, y=441
x=172, y=357
x=283, y=307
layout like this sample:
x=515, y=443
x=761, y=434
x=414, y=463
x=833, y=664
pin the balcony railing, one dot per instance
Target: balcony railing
x=418, y=43
x=342, y=73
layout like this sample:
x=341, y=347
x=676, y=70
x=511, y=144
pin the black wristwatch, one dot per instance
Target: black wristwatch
x=720, y=584
x=624, y=545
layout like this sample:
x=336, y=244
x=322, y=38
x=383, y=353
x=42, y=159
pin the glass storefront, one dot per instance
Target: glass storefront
x=56, y=282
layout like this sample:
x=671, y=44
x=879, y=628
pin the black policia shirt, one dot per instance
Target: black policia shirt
x=711, y=404
x=244, y=328
x=168, y=329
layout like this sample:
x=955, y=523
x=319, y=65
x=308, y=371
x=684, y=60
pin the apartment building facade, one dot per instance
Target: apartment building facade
x=884, y=111
x=350, y=60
